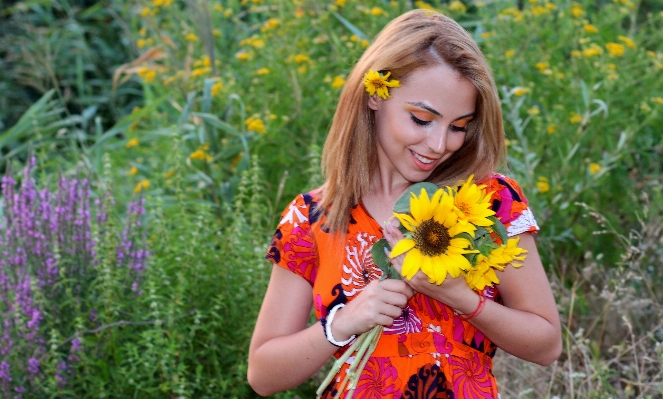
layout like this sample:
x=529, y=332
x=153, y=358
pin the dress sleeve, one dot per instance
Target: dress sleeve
x=293, y=246
x=510, y=206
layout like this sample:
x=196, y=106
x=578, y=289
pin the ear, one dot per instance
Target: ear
x=373, y=102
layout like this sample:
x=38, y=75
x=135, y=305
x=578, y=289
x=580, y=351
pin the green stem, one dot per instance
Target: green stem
x=377, y=332
x=339, y=363
x=352, y=372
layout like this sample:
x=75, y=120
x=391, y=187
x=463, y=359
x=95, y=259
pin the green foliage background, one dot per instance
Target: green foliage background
x=219, y=109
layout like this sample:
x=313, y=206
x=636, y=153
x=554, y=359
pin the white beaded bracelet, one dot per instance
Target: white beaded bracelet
x=327, y=323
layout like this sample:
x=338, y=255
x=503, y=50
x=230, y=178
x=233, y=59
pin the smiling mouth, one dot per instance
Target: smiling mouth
x=423, y=159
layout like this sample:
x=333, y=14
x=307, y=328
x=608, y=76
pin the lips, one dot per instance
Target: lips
x=424, y=162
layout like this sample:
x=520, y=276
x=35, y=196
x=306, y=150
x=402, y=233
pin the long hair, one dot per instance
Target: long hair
x=417, y=39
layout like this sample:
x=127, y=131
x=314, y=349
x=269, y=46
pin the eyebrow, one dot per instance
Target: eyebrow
x=432, y=110
x=426, y=107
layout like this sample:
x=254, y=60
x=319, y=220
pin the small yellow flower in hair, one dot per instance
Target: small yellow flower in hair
x=376, y=82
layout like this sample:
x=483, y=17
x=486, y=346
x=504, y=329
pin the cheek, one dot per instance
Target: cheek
x=455, y=141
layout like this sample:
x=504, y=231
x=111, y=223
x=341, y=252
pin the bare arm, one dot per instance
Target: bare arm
x=526, y=326
x=284, y=352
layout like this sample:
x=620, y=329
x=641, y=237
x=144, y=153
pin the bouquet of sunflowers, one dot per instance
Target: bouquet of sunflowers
x=448, y=231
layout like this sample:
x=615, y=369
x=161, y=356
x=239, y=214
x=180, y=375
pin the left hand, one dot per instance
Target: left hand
x=453, y=291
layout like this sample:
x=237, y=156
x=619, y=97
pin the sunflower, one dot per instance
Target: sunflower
x=472, y=204
x=509, y=253
x=376, y=82
x=433, y=246
x=483, y=273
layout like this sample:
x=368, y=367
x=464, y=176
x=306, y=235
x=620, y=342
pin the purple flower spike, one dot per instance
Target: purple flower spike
x=33, y=366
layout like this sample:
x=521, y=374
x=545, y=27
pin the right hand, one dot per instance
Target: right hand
x=379, y=303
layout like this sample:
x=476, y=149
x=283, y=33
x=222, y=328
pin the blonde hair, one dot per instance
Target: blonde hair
x=415, y=40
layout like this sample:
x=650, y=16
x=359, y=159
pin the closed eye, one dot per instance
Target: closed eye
x=459, y=129
x=418, y=121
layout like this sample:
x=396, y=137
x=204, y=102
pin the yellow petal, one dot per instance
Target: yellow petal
x=402, y=247
x=411, y=264
x=407, y=221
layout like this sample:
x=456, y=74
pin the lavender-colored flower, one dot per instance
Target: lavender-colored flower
x=33, y=366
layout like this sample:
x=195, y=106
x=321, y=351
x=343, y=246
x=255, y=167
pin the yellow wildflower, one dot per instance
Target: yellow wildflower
x=140, y=43
x=338, y=81
x=542, y=65
x=340, y=3
x=543, y=185
x=378, y=11
x=147, y=74
x=228, y=13
x=645, y=107
x=218, y=7
x=615, y=49
x=594, y=168
x=629, y=43
x=242, y=56
x=256, y=124
x=520, y=91
x=364, y=43
x=300, y=58
x=577, y=11
x=133, y=171
x=216, y=88
x=509, y=53
x=551, y=129
x=145, y=12
x=142, y=31
x=533, y=111
x=576, y=53
x=133, y=143
x=592, y=51
x=200, y=72
x=169, y=174
x=576, y=118
x=589, y=28
x=486, y=35
x=217, y=33
x=540, y=10
x=262, y=71
x=507, y=142
x=142, y=185
x=258, y=43
x=658, y=100
x=612, y=66
x=191, y=37
x=299, y=13
x=457, y=6
x=423, y=5
x=375, y=82
x=270, y=24
x=200, y=155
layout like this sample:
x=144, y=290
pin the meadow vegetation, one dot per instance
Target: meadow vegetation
x=150, y=146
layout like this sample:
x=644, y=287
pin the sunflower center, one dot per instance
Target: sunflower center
x=378, y=83
x=465, y=208
x=431, y=238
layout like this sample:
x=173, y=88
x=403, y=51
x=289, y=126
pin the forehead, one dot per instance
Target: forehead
x=440, y=87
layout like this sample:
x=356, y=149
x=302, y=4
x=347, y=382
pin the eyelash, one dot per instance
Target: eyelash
x=426, y=123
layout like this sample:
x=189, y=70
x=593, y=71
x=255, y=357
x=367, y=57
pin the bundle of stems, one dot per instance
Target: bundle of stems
x=363, y=348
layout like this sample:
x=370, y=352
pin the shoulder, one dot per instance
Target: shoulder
x=510, y=204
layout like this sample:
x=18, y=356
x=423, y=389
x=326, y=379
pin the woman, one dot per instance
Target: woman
x=441, y=124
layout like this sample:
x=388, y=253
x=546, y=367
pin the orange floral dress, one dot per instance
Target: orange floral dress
x=428, y=352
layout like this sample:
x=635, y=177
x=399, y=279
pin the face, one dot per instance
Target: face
x=423, y=123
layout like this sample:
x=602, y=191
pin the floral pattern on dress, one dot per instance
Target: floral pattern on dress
x=471, y=380
x=358, y=268
x=379, y=380
x=429, y=382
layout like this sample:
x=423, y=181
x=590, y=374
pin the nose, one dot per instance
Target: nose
x=436, y=140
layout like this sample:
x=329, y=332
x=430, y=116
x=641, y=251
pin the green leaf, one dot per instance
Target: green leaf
x=498, y=227
x=352, y=28
x=403, y=203
x=381, y=259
